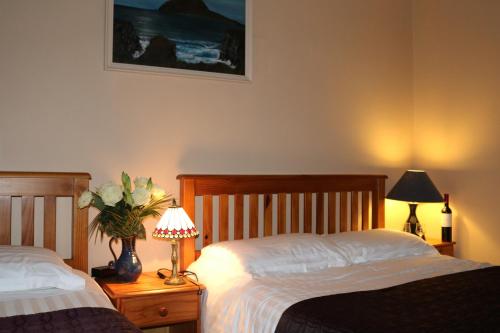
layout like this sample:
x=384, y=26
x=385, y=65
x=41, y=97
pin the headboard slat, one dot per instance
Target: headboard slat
x=332, y=212
x=308, y=212
x=266, y=188
x=207, y=220
x=320, y=217
x=268, y=215
x=354, y=211
x=5, y=216
x=282, y=213
x=365, y=206
x=343, y=211
x=28, y=220
x=49, y=222
x=223, y=217
x=238, y=216
x=253, y=229
x=295, y=213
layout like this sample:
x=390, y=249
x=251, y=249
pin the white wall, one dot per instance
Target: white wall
x=332, y=93
x=457, y=118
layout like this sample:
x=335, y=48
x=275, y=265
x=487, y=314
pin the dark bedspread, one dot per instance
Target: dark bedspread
x=461, y=302
x=71, y=320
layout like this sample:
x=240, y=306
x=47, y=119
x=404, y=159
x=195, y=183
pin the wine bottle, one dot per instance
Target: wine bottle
x=446, y=220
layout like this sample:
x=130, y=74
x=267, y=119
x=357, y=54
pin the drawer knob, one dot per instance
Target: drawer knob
x=163, y=312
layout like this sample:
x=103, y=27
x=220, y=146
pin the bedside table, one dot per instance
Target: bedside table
x=148, y=302
x=445, y=248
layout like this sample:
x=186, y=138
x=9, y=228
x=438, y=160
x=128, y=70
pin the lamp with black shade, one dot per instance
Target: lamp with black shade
x=415, y=187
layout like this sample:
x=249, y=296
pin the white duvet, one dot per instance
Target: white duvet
x=26, y=302
x=242, y=303
x=35, y=280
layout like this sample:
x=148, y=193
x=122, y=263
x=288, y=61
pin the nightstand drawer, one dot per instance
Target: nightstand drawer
x=156, y=310
x=446, y=250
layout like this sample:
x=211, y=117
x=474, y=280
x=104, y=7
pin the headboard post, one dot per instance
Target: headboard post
x=187, y=196
x=378, y=209
x=349, y=186
x=80, y=227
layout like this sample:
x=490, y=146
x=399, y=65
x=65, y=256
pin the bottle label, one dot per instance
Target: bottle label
x=446, y=220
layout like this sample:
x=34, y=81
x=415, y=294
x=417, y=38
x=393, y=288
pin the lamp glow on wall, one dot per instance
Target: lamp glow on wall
x=415, y=187
x=174, y=225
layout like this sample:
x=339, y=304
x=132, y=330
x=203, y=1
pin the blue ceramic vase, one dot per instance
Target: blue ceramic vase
x=128, y=266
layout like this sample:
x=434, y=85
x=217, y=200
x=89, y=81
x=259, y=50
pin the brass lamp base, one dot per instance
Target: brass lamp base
x=175, y=281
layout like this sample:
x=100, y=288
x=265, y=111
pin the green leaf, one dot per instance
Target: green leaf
x=128, y=198
x=142, y=232
x=127, y=189
x=98, y=203
x=126, y=182
x=149, y=187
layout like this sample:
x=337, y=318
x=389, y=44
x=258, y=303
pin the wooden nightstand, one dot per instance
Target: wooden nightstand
x=148, y=302
x=445, y=248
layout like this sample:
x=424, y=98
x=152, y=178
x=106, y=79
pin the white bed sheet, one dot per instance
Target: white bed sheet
x=255, y=305
x=53, y=299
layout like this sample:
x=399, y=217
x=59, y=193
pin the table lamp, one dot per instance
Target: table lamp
x=175, y=224
x=415, y=187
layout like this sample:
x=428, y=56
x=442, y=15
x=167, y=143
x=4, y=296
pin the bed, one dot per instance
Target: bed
x=309, y=253
x=39, y=291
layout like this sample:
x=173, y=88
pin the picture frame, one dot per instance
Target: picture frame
x=112, y=64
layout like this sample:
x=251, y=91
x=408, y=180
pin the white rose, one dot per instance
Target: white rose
x=141, y=182
x=85, y=199
x=157, y=192
x=141, y=196
x=110, y=193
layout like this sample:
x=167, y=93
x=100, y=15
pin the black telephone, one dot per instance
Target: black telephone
x=102, y=272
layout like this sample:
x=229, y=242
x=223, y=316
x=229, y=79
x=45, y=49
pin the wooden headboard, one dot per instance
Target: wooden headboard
x=338, y=196
x=49, y=185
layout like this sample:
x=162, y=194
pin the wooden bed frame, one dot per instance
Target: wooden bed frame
x=371, y=189
x=49, y=185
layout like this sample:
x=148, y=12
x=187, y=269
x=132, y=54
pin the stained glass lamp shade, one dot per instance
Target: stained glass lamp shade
x=175, y=224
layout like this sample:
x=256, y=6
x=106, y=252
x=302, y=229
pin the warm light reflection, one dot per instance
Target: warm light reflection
x=435, y=151
x=228, y=266
x=396, y=213
x=452, y=142
x=384, y=140
x=226, y=259
x=428, y=214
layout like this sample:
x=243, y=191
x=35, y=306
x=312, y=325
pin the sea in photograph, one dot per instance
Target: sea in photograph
x=202, y=39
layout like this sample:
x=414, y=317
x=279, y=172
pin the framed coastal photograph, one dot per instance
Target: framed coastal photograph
x=210, y=38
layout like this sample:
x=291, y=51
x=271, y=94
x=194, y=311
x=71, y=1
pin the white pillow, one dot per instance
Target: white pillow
x=26, y=267
x=378, y=244
x=282, y=254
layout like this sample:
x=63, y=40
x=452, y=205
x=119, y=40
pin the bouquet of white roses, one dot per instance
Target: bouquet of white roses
x=122, y=210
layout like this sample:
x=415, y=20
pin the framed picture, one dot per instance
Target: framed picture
x=210, y=38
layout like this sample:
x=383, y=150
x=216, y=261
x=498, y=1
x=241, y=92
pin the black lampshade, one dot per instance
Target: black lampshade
x=415, y=186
